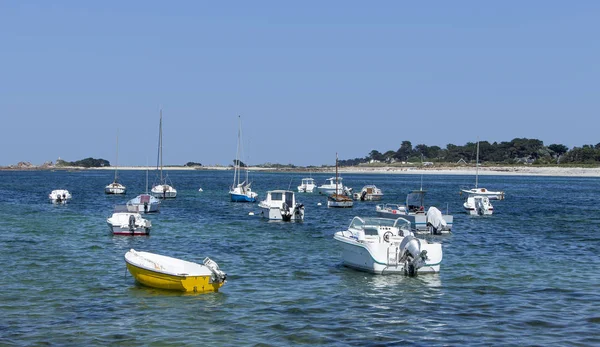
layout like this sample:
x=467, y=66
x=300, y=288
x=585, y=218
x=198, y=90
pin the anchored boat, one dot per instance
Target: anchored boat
x=159, y=271
x=478, y=205
x=124, y=222
x=282, y=205
x=386, y=246
x=59, y=196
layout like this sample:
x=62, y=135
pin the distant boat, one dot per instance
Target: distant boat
x=124, y=222
x=144, y=203
x=159, y=271
x=368, y=193
x=59, y=196
x=115, y=187
x=338, y=199
x=492, y=195
x=477, y=205
x=162, y=190
x=281, y=205
x=307, y=186
x=421, y=219
x=241, y=191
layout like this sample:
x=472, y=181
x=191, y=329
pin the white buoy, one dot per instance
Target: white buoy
x=250, y=213
x=318, y=204
x=200, y=190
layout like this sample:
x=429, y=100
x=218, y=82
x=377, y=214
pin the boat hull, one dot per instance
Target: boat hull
x=124, y=231
x=142, y=208
x=242, y=198
x=164, y=192
x=156, y=279
x=274, y=213
x=373, y=258
x=108, y=190
x=168, y=273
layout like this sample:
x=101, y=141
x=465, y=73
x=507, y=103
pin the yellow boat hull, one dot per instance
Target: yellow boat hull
x=156, y=279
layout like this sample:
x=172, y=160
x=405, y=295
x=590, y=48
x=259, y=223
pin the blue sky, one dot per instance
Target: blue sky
x=309, y=78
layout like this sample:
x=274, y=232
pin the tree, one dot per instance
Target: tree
x=558, y=149
x=404, y=151
x=241, y=163
x=376, y=155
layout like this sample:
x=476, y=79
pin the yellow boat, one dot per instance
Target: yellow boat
x=164, y=272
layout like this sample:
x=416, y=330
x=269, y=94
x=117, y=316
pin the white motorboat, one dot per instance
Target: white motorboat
x=368, y=193
x=241, y=191
x=337, y=199
x=59, y=196
x=421, y=219
x=387, y=246
x=478, y=205
x=492, y=195
x=281, y=205
x=334, y=185
x=123, y=222
x=116, y=187
x=307, y=186
x=162, y=190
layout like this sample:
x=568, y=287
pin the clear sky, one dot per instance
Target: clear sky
x=309, y=78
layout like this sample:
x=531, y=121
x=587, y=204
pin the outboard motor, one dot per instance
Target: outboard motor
x=286, y=214
x=411, y=255
x=132, y=223
x=363, y=195
x=218, y=275
x=479, y=206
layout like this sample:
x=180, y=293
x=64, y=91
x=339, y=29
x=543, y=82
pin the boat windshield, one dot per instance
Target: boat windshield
x=361, y=223
x=415, y=200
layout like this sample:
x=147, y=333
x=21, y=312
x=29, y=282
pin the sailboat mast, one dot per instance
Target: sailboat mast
x=477, y=165
x=159, y=159
x=336, y=173
x=117, y=163
x=421, y=172
x=236, y=166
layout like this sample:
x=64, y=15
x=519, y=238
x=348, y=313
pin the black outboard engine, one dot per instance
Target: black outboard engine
x=132, y=223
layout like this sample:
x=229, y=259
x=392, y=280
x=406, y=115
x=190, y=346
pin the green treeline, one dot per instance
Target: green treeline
x=530, y=151
x=87, y=162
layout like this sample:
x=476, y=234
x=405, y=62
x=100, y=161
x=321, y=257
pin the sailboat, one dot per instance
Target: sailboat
x=115, y=187
x=338, y=199
x=491, y=195
x=162, y=190
x=241, y=192
x=144, y=203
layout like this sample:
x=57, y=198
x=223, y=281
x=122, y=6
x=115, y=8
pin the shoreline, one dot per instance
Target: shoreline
x=441, y=170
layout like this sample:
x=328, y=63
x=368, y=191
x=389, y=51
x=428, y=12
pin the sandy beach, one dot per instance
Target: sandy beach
x=441, y=170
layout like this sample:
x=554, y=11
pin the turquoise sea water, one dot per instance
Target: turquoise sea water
x=528, y=275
